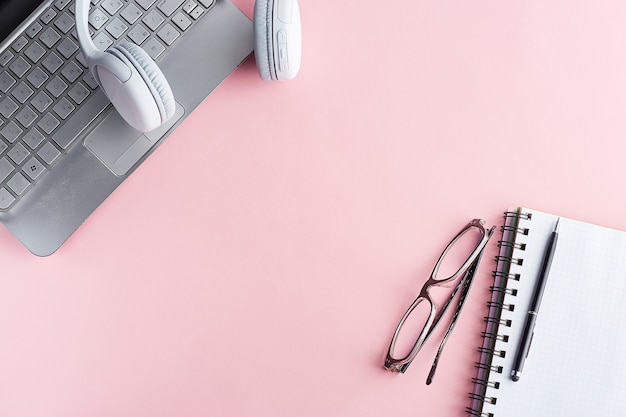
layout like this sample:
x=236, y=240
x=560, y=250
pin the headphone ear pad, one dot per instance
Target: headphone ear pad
x=278, y=39
x=145, y=99
x=263, y=50
x=153, y=77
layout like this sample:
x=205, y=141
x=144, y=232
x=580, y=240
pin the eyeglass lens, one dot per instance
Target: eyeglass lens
x=411, y=329
x=457, y=253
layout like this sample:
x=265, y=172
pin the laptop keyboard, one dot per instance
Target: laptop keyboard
x=47, y=94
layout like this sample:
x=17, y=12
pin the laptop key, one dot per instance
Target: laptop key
x=48, y=153
x=98, y=18
x=116, y=28
x=37, y=77
x=65, y=23
x=35, y=52
x=154, y=48
x=153, y=20
x=6, y=82
x=48, y=16
x=48, y=123
x=41, y=101
x=145, y=3
x=168, y=34
x=33, y=138
x=52, y=62
x=18, y=153
x=71, y=72
x=169, y=6
x=181, y=21
x=63, y=108
x=131, y=13
x=8, y=107
x=33, y=30
x=112, y=6
x=60, y=4
x=190, y=6
x=6, y=199
x=207, y=3
x=22, y=92
x=5, y=58
x=33, y=168
x=19, y=44
x=102, y=41
x=5, y=168
x=18, y=183
x=67, y=48
x=78, y=93
x=49, y=37
x=19, y=66
x=57, y=86
x=11, y=131
x=196, y=13
x=26, y=116
x=138, y=34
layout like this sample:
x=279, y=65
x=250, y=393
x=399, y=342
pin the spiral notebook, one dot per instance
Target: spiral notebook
x=577, y=360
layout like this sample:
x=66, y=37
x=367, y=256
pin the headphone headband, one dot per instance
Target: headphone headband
x=92, y=54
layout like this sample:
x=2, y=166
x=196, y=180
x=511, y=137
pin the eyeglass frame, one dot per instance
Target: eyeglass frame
x=467, y=270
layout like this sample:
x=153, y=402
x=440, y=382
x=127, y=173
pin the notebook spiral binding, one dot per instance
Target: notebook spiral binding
x=503, y=293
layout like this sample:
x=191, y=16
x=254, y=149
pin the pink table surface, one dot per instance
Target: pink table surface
x=258, y=262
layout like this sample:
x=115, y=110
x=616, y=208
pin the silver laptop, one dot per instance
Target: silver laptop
x=63, y=148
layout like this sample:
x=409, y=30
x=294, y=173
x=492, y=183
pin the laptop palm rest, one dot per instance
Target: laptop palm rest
x=119, y=147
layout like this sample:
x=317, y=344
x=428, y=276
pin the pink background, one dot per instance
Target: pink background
x=258, y=262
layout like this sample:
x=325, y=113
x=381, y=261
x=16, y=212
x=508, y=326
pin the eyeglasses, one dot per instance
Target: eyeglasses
x=455, y=268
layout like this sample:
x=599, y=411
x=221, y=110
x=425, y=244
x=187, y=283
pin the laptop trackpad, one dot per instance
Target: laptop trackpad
x=119, y=147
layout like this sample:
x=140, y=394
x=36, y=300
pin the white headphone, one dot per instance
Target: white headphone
x=140, y=92
x=128, y=76
x=278, y=39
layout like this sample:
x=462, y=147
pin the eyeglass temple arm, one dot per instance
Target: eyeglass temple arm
x=466, y=283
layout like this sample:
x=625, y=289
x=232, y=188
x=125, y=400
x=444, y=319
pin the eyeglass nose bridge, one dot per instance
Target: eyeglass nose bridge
x=401, y=364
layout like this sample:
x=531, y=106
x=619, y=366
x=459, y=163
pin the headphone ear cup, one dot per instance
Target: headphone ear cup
x=278, y=38
x=263, y=51
x=152, y=76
